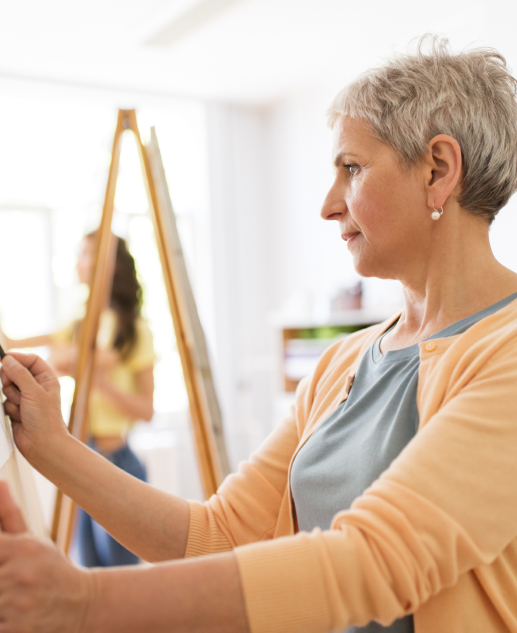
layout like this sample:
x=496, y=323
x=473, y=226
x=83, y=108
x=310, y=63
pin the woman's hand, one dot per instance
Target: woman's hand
x=32, y=402
x=40, y=591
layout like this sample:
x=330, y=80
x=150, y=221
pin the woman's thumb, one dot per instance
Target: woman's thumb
x=17, y=373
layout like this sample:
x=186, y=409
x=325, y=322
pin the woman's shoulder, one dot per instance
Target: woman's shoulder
x=494, y=331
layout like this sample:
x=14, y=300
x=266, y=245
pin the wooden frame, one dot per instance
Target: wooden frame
x=203, y=405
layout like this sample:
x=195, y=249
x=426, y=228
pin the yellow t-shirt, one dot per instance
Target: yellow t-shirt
x=105, y=418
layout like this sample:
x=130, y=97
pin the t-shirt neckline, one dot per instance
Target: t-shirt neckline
x=458, y=327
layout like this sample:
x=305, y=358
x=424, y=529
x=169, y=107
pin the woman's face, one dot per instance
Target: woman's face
x=380, y=206
x=85, y=260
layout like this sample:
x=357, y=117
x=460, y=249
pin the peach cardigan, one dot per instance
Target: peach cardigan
x=435, y=535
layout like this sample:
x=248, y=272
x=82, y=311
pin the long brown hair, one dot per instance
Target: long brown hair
x=126, y=298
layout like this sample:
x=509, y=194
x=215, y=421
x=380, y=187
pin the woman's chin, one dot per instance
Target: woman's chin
x=364, y=268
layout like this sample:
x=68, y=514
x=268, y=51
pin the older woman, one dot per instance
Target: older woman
x=387, y=499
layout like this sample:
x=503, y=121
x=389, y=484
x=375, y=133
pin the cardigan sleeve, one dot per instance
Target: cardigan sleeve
x=446, y=505
x=246, y=506
x=253, y=504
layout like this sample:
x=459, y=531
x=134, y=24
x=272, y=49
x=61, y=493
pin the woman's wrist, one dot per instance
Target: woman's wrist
x=91, y=601
x=50, y=450
x=102, y=601
x=203, y=594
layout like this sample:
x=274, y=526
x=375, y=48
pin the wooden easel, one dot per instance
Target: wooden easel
x=203, y=405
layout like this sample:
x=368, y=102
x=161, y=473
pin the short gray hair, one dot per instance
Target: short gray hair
x=470, y=96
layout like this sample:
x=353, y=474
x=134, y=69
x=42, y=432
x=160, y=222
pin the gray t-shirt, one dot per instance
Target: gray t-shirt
x=358, y=442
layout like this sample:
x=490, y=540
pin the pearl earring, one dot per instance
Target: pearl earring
x=436, y=214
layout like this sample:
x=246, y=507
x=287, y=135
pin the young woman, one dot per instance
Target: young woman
x=122, y=386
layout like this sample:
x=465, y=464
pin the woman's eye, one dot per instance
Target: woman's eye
x=351, y=168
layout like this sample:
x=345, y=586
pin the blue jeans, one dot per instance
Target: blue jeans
x=95, y=547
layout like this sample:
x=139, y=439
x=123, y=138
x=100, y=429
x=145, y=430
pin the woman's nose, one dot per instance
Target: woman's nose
x=334, y=207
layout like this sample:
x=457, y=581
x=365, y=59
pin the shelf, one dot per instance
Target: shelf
x=305, y=340
x=334, y=319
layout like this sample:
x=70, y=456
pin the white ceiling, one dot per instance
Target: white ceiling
x=251, y=51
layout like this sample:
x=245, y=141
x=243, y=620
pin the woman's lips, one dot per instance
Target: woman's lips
x=348, y=237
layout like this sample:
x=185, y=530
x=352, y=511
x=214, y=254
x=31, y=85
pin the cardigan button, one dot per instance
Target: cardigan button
x=430, y=346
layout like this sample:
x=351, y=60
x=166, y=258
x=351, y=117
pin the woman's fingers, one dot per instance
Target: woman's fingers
x=40, y=590
x=18, y=373
x=11, y=518
x=24, y=369
x=3, y=377
x=12, y=410
x=12, y=394
x=36, y=409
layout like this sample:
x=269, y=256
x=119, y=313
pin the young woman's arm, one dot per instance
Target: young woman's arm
x=63, y=359
x=31, y=341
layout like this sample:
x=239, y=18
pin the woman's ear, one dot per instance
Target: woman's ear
x=444, y=162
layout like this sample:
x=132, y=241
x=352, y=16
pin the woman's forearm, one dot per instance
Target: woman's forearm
x=147, y=521
x=201, y=595
x=40, y=590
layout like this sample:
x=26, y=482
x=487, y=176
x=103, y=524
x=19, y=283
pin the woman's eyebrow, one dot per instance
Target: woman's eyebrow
x=341, y=155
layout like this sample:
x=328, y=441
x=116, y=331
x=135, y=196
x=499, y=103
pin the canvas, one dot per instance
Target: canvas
x=15, y=469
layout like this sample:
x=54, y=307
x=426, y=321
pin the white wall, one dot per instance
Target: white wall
x=309, y=261
x=241, y=246
x=503, y=235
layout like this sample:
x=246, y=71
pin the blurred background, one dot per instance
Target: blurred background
x=237, y=91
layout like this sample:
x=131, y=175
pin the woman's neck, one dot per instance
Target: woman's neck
x=459, y=277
